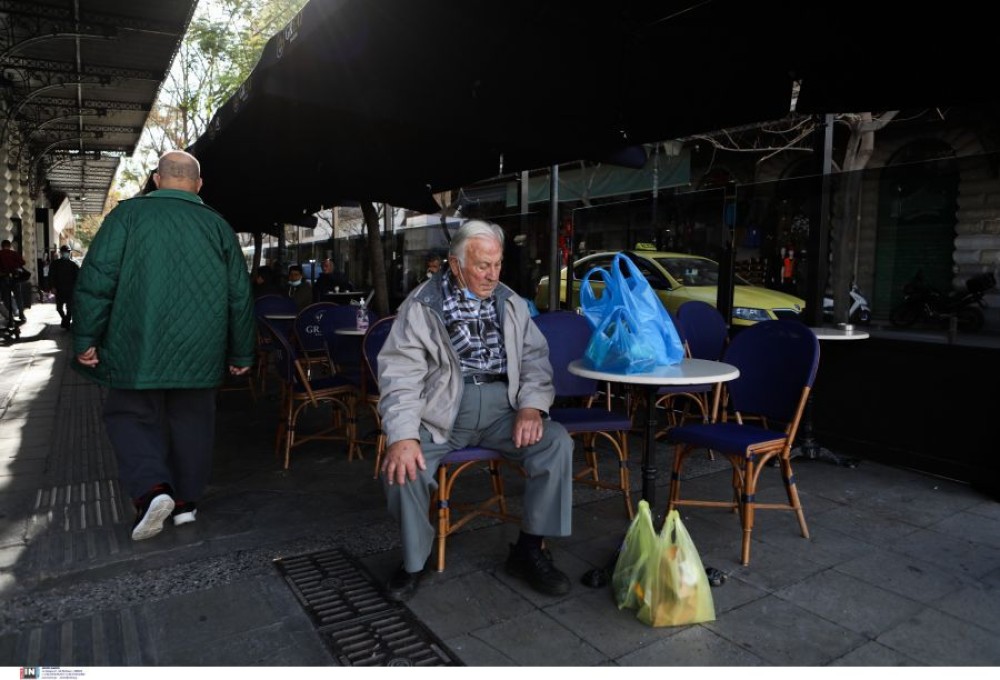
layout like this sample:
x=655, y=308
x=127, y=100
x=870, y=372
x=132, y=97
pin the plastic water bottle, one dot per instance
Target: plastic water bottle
x=362, y=315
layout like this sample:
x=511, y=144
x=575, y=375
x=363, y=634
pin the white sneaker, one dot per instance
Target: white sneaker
x=185, y=517
x=151, y=521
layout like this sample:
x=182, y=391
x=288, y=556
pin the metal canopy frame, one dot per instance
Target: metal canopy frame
x=79, y=79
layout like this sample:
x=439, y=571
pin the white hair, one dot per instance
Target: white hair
x=470, y=230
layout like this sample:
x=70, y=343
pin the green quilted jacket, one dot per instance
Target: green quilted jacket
x=164, y=295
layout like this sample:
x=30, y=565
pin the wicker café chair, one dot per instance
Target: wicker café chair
x=264, y=306
x=778, y=362
x=450, y=516
x=371, y=345
x=302, y=388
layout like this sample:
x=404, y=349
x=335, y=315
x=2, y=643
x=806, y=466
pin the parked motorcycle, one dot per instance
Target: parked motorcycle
x=859, y=311
x=922, y=303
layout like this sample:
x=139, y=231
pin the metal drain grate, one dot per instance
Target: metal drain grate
x=353, y=616
x=394, y=640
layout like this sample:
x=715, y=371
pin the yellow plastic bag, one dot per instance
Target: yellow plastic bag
x=662, y=575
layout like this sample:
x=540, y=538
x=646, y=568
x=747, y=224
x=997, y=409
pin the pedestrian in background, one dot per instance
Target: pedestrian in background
x=160, y=333
x=11, y=269
x=62, y=279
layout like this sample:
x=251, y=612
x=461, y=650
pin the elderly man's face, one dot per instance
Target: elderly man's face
x=481, y=273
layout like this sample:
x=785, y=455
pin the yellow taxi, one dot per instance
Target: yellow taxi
x=679, y=277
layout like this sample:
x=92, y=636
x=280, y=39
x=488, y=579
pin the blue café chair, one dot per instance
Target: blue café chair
x=704, y=332
x=778, y=362
x=371, y=345
x=302, y=388
x=568, y=334
x=263, y=306
x=344, y=351
x=307, y=331
x=451, y=516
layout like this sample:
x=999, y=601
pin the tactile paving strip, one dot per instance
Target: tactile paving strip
x=354, y=617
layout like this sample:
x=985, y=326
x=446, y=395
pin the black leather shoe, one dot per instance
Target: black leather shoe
x=535, y=566
x=403, y=584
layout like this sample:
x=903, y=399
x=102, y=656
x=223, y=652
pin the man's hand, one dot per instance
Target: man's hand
x=528, y=427
x=238, y=370
x=402, y=460
x=88, y=357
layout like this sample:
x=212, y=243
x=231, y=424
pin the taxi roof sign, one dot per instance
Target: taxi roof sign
x=642, y=245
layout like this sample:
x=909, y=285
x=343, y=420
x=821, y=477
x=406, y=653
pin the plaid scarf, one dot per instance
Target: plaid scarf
x=474, y=329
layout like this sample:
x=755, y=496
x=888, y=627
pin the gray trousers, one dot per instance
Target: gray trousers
x=162, y=437
x=486, y=419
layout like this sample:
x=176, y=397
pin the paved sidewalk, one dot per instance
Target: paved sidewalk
x=282, y=568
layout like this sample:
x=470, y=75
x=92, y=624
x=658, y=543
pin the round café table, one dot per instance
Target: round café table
x=809, y=447
x=344, y=297
x=687, y=372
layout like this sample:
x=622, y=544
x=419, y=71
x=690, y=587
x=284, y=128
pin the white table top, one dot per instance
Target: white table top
x=688, y=372
x=347, y=330
x=839, y=334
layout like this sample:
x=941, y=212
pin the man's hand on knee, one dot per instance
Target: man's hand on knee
x=402, y=460
x=528, y=427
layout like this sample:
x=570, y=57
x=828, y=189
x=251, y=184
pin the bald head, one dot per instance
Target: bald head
x=178, y=170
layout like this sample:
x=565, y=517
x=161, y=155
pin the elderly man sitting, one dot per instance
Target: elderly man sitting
x=465, y=365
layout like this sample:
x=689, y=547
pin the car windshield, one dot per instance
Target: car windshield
x=689, y=271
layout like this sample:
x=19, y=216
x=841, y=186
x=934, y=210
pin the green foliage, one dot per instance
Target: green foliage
x=220, y=49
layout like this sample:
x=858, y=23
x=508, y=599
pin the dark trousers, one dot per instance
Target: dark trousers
x=64, y=305
x=162, y=437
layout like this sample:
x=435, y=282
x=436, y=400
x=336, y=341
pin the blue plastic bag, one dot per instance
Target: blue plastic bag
x=597, y=308
x=618, y=345
x=633, y=293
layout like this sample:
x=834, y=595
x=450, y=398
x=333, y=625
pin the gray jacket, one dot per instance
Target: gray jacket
x=420, y=376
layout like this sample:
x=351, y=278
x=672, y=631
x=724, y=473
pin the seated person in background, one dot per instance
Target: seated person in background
x=433, y=266
x=298, y=288
x=330, y=281
x=464, y=365
x=264, y=283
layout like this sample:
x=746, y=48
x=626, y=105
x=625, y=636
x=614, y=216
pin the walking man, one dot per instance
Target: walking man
x=62, y=277
x=160, y=332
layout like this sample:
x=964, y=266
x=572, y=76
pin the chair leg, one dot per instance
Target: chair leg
x=496, y=479
x=748, y=502
x=282, y=430
x=793, y=493
x=590, y=455
x=293, y=417
x=379, y=452
x=442, y=497
x=680, y=451
x=353, y=447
